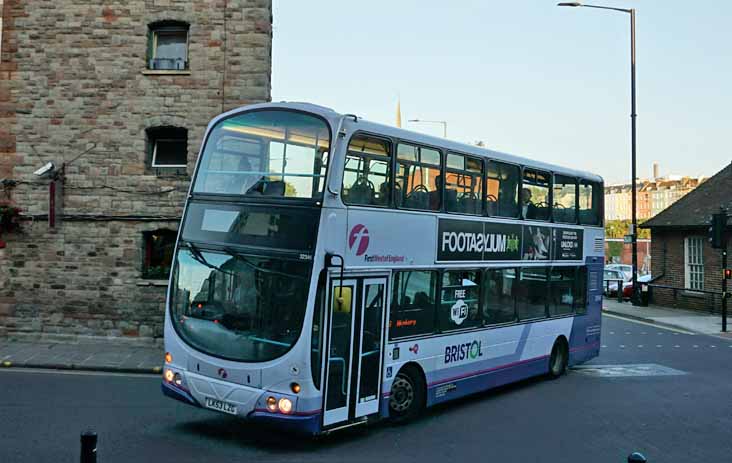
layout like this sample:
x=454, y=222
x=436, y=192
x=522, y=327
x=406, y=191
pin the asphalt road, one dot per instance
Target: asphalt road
x=591, y=415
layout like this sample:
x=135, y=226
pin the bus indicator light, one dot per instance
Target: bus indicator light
x=168, y=358
x=272, y=404
x=295, y=388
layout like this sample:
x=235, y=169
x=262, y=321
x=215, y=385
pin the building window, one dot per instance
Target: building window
x=167, y=147
x=460, y=300
x=168, y=46
x=694, y=263
x=159, y=246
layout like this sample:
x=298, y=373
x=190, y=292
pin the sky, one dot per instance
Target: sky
x=524, y=76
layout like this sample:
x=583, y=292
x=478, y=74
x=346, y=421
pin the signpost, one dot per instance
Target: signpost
x=718, y=240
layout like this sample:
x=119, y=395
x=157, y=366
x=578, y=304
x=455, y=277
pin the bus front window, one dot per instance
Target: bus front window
x=266, y=153
x=239, y=307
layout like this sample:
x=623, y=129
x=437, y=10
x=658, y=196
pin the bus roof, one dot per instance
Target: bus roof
x=409, y=135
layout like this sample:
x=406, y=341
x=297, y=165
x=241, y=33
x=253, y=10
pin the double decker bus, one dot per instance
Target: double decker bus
x=331, y=271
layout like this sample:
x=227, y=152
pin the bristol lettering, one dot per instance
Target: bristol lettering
x=458, y=352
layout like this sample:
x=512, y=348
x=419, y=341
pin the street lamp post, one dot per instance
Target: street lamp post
x=444, y=124
x=633, y=115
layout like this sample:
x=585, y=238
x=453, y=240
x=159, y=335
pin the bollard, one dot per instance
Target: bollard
x=636, y=457
x=88, y=447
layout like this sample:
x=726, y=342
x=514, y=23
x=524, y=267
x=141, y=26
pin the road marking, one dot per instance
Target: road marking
x=643, y=332
x=677, y=345
x=659, y=345
x=622, y=346
x=612, y=332
x=676, y=331
x=640, y=345
x=77, y=372
x=627, y=332
x=695, y=346
x=712, y=346
x=619, y=371
x=605, y=347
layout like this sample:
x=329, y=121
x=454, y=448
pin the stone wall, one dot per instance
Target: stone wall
x=75, y=90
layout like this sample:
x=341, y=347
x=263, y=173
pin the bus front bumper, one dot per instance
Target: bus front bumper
x=252, y=408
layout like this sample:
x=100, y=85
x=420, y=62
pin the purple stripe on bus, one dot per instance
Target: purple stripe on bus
x=488, y=370
x=585, y=347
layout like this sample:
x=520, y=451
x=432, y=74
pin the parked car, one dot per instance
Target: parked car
x=628, y=285
x=610, y=278
x=625, y=268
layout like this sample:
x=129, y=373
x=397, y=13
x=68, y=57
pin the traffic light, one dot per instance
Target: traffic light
x=727, y=273
x=716, y=231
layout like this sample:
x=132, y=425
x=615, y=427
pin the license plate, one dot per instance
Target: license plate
x=221, y=406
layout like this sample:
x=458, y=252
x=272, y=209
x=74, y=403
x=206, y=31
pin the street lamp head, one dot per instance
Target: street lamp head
x=573, y=4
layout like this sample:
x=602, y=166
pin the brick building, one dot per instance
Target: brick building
x=117, y=96
x=682, y=255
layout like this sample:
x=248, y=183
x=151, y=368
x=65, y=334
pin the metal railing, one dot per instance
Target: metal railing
x=710, y=296
x=619, y=281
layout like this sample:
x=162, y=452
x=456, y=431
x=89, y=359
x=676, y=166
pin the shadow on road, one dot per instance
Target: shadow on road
x=237, y=432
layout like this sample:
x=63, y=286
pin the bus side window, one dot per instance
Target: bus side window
x=531, y=300
x=580, y=288
x=561, y=291
x=413, y=304
x=590, y=200
x=502, y=182
x=367, y=172
x=460, y=300
x=499, y=303
x=418, y=183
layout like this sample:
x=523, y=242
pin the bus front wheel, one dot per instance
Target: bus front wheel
x=408, y=391
x=558, y=359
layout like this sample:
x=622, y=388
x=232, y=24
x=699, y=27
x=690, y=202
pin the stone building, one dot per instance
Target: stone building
x=117, y=95
x=682, y=255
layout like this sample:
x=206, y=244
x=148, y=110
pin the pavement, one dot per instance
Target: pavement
x=91, y=354
x=657, y=391
x=114, y=355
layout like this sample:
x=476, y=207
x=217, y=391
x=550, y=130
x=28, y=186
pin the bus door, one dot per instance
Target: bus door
x=354, y=356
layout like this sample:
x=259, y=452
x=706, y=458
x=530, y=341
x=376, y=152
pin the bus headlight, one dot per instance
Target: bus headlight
x=168, y=375
x=285, y=405
x=272, y=404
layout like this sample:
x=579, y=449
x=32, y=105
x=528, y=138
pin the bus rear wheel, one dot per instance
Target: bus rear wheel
x=558, y=359
x=407, y=396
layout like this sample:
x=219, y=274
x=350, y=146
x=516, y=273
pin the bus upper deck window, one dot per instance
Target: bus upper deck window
x=463, y=184
x=590, y=200
x=502, y=182
x=535, y=195
x=269, y=153
x=565, y=199
x=418, y=183
x=367, y=172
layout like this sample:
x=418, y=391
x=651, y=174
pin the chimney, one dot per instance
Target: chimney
x=655, y=170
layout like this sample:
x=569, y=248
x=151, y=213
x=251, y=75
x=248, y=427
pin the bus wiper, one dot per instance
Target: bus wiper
x=198, y=257
x=239, y=256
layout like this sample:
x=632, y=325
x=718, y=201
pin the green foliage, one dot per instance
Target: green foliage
x=619, y=228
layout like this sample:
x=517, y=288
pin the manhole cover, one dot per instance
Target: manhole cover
x=618, y=371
